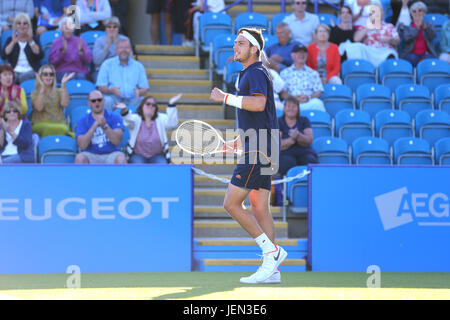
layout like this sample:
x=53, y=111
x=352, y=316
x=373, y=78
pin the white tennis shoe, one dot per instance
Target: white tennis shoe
x=271, y=261
x=274, y=278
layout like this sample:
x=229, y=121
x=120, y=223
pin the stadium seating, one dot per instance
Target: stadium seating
x=371, y=150
x=442, y=151
x=432, y=125
x=437, y=19
x=251, y=19
x=57, y=149
x=297, y=190
x=91, y=36
x=212, y=24
x=321, y=123
x=352, y=124
x=391, y=125
x=277, y=19
x=332, y=150
x=222, y=50
x=78, y=91
x=337, y=97
x=442, y=97
x=4, y=36
x=231, y=72
x=28, y=86
x=76, y=114
x=270, y=39
x=355, y=72
x=326, y=18
x=412, y=98
x=412, y=151
x=432, y=72
x=46, y=40
x=395, y=72
x=372, y=97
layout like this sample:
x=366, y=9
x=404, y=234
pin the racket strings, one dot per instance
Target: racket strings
x=197, y=137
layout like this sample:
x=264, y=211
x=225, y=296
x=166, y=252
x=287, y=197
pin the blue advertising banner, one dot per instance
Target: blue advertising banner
x=100, y=218
x=393, y=217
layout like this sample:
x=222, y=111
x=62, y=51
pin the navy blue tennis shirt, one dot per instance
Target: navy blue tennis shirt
x=256, y=80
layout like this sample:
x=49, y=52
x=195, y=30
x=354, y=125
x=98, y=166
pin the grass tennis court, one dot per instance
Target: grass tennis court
x=226, y=286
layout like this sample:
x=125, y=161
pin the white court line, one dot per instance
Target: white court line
x=6, y=297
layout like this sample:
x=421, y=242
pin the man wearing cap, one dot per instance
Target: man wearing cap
x=105, y=46
x=301, y=22
x=303, y=82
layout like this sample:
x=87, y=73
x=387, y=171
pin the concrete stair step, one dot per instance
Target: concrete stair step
x=218, y=212
x=245, y=265
x=201, y=112
x=167, y=62
x=190, y=98
x=145, y=49
x=175, y=86
x=209, y=196
x=206, y=182
x=178, y=74
x=225, y=228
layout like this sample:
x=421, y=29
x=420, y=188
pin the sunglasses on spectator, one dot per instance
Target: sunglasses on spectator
x=112, y=26
x=417, y=10
x=22, y=23
x=12, y=110
x=47, y=74
x=151, y=104
x=299, y=3
x=96, y=100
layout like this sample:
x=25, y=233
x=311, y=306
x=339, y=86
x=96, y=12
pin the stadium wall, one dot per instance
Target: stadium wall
x=392, y=217
x=100, y=218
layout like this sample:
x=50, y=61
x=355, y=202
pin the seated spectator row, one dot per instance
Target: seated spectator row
x=430, y=125
x=376, y=151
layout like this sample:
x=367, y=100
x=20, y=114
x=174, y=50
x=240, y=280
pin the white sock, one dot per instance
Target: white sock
x=264, y=243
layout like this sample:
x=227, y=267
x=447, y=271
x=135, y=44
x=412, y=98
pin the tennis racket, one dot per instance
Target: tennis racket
x=200, y=138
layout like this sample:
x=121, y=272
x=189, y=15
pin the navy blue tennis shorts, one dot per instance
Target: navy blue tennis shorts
x=248, y=176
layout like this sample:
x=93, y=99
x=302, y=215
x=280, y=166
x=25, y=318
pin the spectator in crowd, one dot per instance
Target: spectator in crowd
x=148, y=138
x=22, y=50
x=180, y=19
x=92, y=14
x=10, y=8
x=122, y=79
x=302, y=82
x=400, y=10
x=361, y=11
x=154, y=8
x=418, y=36
x=323, y=56
x=301, y=22
x=105, y=46
x=10, y=91
x=70, y=53
x=16, y=143
x=49, y=13
x=198, y=8
x=296, y=138
x=379, y=38
x=99, y=134
x=344, y=31
x=120, y=10
x=445, y=42
x=279, y=54
x=49, y=102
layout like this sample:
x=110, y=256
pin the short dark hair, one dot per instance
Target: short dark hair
x=5, y=66
x=294, y=100
x=140, y=108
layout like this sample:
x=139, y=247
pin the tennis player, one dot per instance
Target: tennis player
x=256, y=111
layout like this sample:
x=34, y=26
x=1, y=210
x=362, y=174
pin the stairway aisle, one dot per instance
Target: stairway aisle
x=220, y=244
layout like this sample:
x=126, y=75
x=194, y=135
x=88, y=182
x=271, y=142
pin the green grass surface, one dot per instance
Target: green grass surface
x=225, y=285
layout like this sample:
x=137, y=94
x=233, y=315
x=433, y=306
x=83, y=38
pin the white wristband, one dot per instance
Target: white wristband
x=234, y=101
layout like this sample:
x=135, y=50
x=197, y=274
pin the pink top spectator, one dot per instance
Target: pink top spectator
x=148, y=142
x=373, y=37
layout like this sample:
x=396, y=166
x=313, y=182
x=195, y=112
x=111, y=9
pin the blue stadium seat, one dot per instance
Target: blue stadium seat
x=28, y=86
x=4, y=36
x=355, y=72
x=297, y=190
x=372, y=97
x=437, y=19
x=251, y=19
x=321, y=123
x=442, y=151
x=326, y=18
x=332, y=150
x=279, y=112
x=57, y=149
x=222, y=50
x=337, y=97
x=91, y=36
x=48, y=37
x=412, y=98
x=371, y=150
x=269, y=39
x=231, y=72
x=275, y=20
x=212, y=24
x=442, y=97
x=352, y=124
x=391, y=125
x=395, y=72
x=76, y=114
x=432, y=72
x=412, y=151
x=432, y=125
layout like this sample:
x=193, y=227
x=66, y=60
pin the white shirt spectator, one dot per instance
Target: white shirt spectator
x=302, y=30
